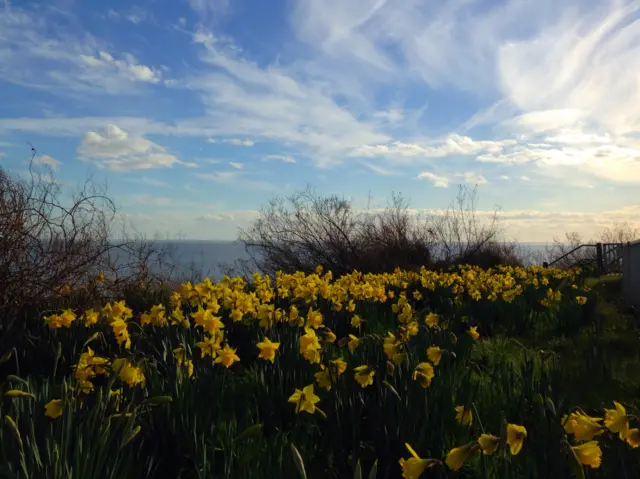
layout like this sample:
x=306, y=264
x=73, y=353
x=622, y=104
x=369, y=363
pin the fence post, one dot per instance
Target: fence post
x=599, y=258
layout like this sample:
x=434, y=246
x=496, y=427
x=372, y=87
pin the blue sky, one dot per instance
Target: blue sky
x=197, y=112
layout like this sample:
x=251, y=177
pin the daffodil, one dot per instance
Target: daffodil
x=130, y=374
x=515, y=437
x=415, y=466
x=364, y=375
x=267, y=349
x=464, y=415
x=633, y=437
x=53, y=408
x=339, y=365
x=210, y=345
x=423, y=374
x=583, y=427
x=434, y=353
x=227, y=356
x=473, y=332
x=353, y=343
x=458, y=455
x=617, y=420
x=323, y=378
x=588, y=454
x=305, y=400
x=488, y=443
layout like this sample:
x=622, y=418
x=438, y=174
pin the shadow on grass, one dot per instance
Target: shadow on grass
x=597, y=363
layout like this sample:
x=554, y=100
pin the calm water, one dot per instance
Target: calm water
x=198, y=259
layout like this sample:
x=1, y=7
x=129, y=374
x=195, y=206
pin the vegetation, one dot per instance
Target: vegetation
x=463, y=371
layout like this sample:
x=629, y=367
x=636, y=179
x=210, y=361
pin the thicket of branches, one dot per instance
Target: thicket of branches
x=299, y=232
x=52, y=245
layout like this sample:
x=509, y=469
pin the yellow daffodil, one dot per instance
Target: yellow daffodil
x=210, y=345
x=130, y=374
x=305, y=400
x=588, y=454
x=633, y=437
x=464, y=416
x=364, y=375
x=617, y=420
x=458, y=455
x=267, y=349
x=434, y=353
x=488, y=443
x=323, y=378
x=353, y=343
x=415, y=466
x=227, y=356
x=423, y=374
x=473, y=332
x=583, y=427
x=53, y=408
x=339, y=365
x=432, y=320
x=515, y=438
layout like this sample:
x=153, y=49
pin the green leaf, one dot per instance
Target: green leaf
x=6, y=356
x=358, y=472
x=550, y=406
x=14, y=378
x=576, y=466
x=392, y=389
x=160, y=400
x=374, y=470
x=251, y=431
x=297, y=459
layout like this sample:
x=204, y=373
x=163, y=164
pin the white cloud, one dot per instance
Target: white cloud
x=115, y=149
x=152, y=200
x=504, y=177
x=275, y=103
x=436, y=180
x=40, y=50
x=282, y=158
x=46, y=160
x=220, y=176
x=236, y=164
x=238, y=142
x=379, y=169
x=525, y=178
x=473, y=178
x=105, y=64
x=451, y=145
x=441, y=181
x=149, y=182
x=238, y=178
x=231, y=215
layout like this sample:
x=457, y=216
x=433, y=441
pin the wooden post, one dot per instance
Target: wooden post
x=599, y=258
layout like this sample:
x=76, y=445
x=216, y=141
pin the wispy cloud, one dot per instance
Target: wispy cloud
x=46, y=160
x=75, y=61
x=282, y=158
x=236, y=164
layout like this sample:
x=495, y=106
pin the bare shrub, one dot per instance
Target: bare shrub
x=305, y=230
x=49, y=244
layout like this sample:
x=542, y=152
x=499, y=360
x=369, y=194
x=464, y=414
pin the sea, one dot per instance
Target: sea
x=195, y=260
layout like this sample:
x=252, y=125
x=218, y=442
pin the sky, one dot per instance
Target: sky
x=198, y=112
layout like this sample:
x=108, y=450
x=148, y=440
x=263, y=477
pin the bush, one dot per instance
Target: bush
x=305, y=230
